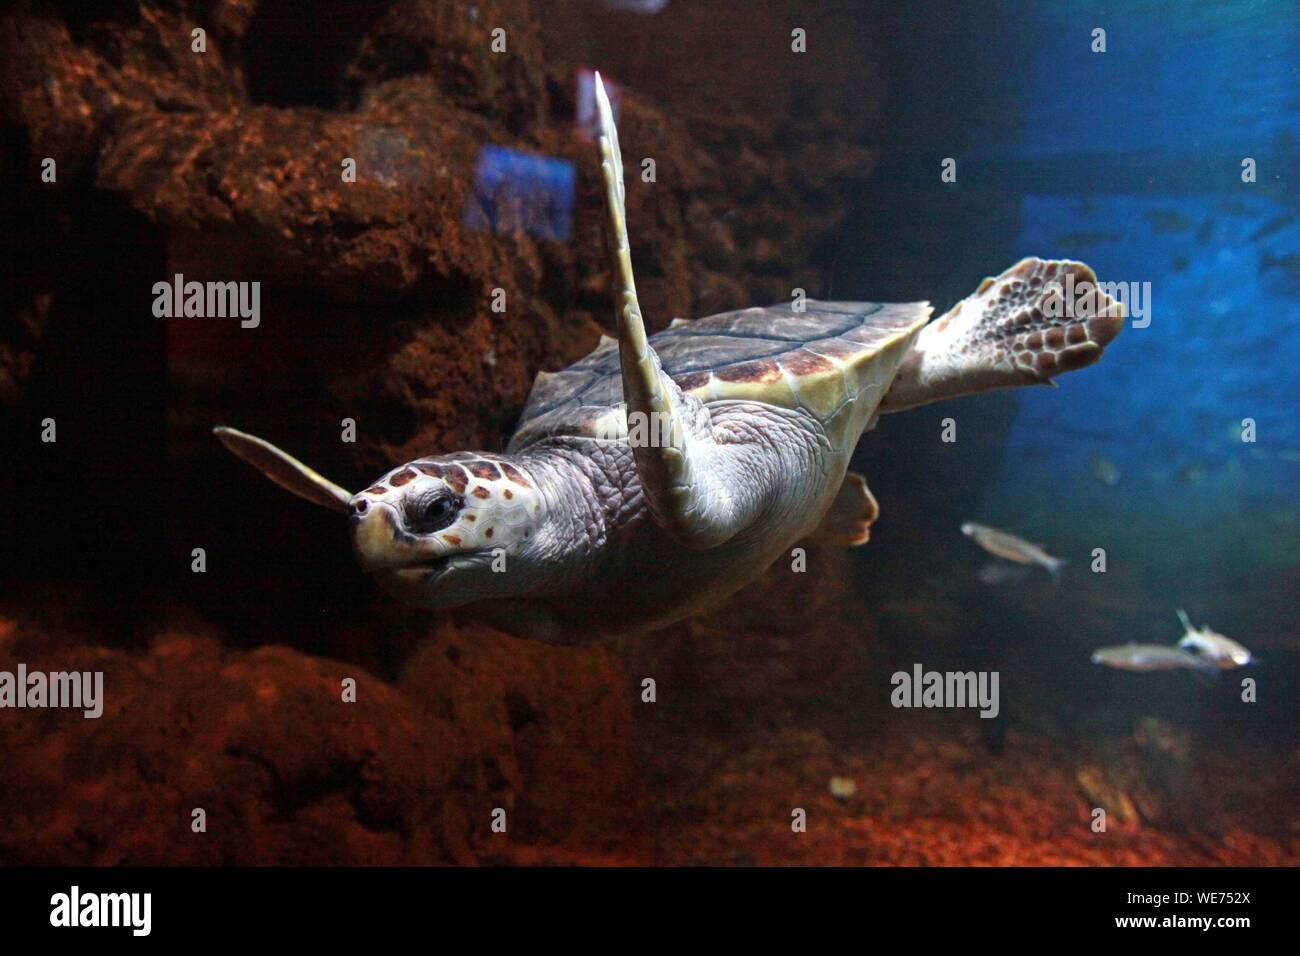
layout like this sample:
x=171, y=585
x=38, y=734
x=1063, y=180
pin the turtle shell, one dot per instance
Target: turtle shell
x=820, y=359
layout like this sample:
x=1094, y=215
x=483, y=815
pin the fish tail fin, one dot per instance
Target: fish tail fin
x=1054, y=569
x=1207, y=675
x=1204, y=668
x=1186, y=621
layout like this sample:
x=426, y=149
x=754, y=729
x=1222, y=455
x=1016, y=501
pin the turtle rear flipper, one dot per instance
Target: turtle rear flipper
x=1035, y=321
x=847, y=523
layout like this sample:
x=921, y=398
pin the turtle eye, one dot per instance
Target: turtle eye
x=435, y=514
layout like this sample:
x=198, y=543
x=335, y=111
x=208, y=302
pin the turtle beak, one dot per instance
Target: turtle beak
x=374, y=531
x=384, y=545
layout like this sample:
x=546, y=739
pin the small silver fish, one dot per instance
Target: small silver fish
x=1150, y=657
x=1008, y=546
x=1104, y=470
x=1079, y=241
x=995, y=572
x=1167, y=220
x=1288, y=265
x=1222, y=651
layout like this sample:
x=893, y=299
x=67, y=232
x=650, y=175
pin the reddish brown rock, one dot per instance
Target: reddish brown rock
x=288, y=772
x=376, y=307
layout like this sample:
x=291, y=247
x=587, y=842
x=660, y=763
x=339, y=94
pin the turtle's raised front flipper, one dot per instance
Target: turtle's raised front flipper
x=1030, y=324
x=669, y=432
x=285, y=470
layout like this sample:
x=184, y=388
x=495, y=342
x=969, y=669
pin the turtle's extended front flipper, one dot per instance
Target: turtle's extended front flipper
x=1034, y=322
x=686, y=485
x=285, y=470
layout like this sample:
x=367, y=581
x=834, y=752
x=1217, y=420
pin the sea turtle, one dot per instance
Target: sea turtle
x=657, y=476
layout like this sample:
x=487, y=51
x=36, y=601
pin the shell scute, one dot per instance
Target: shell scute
x=822, y=359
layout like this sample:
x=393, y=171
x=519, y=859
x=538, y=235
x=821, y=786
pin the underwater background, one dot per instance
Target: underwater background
x=775, y=170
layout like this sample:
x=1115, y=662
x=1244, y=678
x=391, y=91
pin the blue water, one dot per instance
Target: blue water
x=1180, y=77
x=1141, y=178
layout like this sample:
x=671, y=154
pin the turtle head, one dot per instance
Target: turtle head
x=440, y=532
